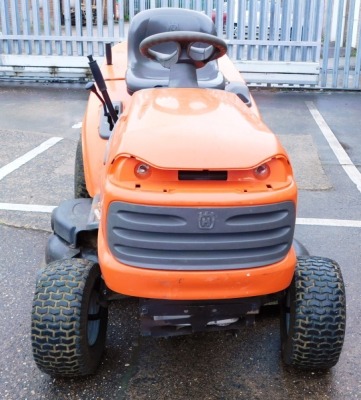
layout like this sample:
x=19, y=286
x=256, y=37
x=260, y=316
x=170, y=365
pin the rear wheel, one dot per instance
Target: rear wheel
x=69, y=321
x=313, y=315
x=80, y=190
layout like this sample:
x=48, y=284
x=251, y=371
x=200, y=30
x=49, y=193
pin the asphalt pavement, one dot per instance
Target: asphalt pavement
x=214, y=366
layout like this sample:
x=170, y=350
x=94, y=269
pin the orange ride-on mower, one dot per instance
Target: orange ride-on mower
x=185, y=200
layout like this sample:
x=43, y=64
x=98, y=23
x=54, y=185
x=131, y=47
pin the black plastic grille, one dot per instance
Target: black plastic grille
x=180, y=238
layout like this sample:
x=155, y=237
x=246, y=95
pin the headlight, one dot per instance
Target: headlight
x=142, y=170
x=262, y=172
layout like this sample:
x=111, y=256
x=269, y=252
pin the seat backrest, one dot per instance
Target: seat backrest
x=144, y=73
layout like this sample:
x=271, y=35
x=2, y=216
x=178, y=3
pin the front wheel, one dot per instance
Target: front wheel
x=313, y=315
x=69, y=320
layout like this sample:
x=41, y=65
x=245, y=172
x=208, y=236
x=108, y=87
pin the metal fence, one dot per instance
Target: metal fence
x=273, y=42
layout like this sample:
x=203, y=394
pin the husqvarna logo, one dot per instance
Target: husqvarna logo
x=206, y=219
x=173, y=27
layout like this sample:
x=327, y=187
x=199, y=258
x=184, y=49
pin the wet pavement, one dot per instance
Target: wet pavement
x=212, y=366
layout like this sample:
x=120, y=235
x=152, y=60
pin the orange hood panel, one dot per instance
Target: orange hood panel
x=193, y=129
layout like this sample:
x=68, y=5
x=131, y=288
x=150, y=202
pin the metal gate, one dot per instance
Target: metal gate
x=312, y=43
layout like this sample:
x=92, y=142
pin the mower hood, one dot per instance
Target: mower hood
x=193, y=129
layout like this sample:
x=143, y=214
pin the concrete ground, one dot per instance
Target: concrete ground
x=212, y=366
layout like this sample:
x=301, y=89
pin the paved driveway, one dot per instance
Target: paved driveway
x=43, y=123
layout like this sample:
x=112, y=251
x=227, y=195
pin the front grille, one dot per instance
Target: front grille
x=190, y=239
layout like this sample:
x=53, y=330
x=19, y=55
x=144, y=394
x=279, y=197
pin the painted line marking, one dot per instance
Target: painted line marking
x=14, y=165
x=26, y=208
x=347, y=223
x=78, y=125
x=340, y=153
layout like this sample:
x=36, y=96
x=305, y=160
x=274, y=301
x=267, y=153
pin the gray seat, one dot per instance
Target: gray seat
x=144, y=73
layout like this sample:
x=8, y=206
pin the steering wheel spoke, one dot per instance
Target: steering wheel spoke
x=199, y=48
x=166, y=60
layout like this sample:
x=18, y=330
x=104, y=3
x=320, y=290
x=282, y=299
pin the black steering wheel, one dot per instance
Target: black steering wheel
x=194, y=48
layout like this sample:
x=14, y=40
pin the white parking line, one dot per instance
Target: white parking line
x=78, y=125
x=14, y=165
x=348, y=223
x=342, y=157
x=26, y=208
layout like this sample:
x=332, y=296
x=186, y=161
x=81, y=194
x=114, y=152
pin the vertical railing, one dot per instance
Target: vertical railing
x=57, y=27
x=26, y=25
x=338, y=41
x=326, y=45
x=348, y=44
x=286, y=29
x=47, y=27
x=5, y=27
x=356, y=84
x=67, y=24
x=89, y=25
x=99, y=7
x=15, y=22
x=36, y=26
